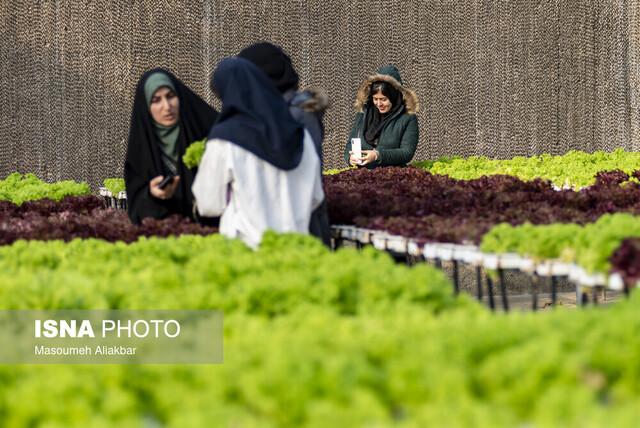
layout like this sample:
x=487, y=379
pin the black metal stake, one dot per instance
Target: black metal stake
x=479, y=282
x=595, y=295
x=456, y=278
x=492, y=305
x=438, y=263
x=581, y=296
x=626, y=289
x=554, y=290
x=534, y=292
x=503, y=290
x=337, y=243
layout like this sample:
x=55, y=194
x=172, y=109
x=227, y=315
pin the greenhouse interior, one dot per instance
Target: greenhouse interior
x=320, y=214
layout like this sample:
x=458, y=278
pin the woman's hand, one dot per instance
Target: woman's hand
x=167, y=192
x=354, y=161
x=369, y=156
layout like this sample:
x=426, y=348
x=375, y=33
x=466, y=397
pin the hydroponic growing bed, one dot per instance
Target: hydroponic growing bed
x=315, y=337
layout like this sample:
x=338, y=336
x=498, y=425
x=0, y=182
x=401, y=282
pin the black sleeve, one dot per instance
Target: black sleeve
x=140, y=203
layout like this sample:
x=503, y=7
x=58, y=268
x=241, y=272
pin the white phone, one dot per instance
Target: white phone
x=356, y=148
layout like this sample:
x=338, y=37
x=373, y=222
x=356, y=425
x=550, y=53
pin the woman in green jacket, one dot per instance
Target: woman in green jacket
x=386, y=122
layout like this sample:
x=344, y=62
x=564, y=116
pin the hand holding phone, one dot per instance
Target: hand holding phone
x=163, y=187
x=166, y=181
x=356, y=151
x=356, y=147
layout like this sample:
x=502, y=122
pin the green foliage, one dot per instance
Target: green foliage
x=598, y=241
x=289, y=277
x=114, y=185
x=286, y=272
x=538, y=242
x=18, y=188
x=193, y=154
x=315, y=339
x=575, y=169
x=429, y=164
x=590, y=246
x=336, y=170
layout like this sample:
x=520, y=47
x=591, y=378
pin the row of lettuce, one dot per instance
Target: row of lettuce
x=18, y=189
x=575, y=169
x=84, y=217
x=502, y=213
x=315, y=338
x=499, y=213
x=611, y=244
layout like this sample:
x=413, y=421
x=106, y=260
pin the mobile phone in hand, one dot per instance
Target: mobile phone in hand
x=356, y=147
x=166, y=181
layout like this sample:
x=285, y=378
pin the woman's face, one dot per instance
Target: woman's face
x=165, y=107
x=381, y=102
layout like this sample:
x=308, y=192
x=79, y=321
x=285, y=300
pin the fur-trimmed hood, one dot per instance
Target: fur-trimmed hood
x=315, y=100
x=389, y=74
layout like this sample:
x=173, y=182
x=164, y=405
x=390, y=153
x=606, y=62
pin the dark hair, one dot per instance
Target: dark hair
x=274, y=62
x=387, y=89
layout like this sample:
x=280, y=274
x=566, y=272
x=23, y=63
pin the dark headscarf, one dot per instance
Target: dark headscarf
x=167, y=135
x=144, y=159
x=254, y=115
x=274, y=62
x=305, y=107
x=374, y=121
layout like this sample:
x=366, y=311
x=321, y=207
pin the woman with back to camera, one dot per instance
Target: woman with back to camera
x=307, y=107
x=260, y=169
x=167, y=116
x=386, y=122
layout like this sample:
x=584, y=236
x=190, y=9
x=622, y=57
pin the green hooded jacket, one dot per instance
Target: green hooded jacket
x=399, y=139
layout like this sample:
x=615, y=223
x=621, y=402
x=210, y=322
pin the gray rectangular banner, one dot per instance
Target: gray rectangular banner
x=110, y=337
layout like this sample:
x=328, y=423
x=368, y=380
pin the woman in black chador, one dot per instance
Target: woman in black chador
x=167, y=116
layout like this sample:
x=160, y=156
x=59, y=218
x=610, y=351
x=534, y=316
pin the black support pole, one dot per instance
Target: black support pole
x=583, y=297
x=456, y=278
x=535, y=279
x=479, y=282
x=492, y=304
x=626, y=289
x=554, y=290
x=337, y=243
x=503, y=290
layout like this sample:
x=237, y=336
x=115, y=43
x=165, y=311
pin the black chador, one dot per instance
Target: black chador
x=154, y=150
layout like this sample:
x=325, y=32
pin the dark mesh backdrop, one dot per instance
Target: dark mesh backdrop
x=494, y=77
